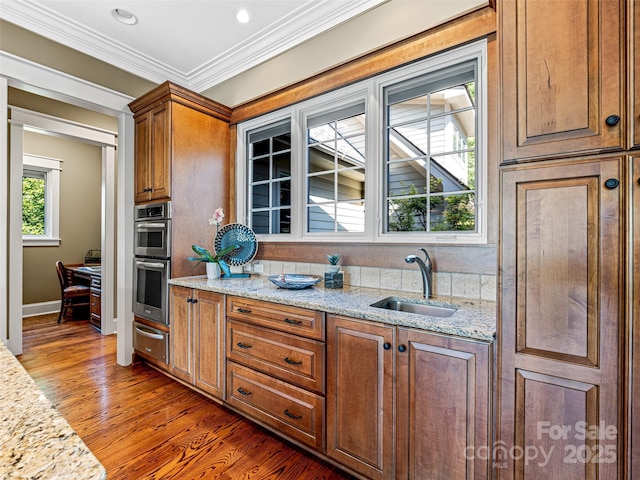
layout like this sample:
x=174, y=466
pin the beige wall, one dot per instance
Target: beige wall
x=80, y=213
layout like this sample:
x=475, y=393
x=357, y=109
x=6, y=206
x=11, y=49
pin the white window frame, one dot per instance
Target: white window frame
x=371, y=91
x=51, y=169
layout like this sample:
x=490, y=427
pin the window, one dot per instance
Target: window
x=430, y=124
x=336, y=170
x=40, y=201
x=270, y=173
x=399, y=158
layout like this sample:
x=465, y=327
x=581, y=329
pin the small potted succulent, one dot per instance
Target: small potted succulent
x=333, y=276
x=333, y=259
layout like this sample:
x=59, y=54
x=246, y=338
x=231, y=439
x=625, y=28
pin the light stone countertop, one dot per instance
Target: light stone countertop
x=35, y=440
x=475, y=319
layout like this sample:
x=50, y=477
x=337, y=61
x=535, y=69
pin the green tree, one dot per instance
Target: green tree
x=33, y=206
x=410, y=214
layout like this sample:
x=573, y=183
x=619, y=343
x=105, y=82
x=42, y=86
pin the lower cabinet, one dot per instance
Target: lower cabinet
x=407, y=404
x=276, y=367
x=197, y=338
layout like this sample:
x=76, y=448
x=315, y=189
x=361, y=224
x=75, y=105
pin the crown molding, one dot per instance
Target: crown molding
x=312, y=18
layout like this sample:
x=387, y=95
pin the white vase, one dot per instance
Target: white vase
x=213, y=270
x=333, y=268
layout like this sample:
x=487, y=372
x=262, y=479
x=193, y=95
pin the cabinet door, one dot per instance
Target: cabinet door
x=95, y=308
x=160, y=152
x=635, y=68
x=153, y=154
x=442, y=409
x=142, y=155
x=634, y=408
x=360, y=422
x=560, y=323
x=181, y=332
x=209, y=334
x=562, y=77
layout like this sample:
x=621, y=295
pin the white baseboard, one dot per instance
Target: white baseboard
x=40, y=308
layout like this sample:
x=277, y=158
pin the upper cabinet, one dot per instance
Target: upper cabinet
x=635, y=70
x=174, y=126
x=153, y=147
x=562, y=77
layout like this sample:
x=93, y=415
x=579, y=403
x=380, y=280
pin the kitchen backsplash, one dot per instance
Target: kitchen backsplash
x=453, y=284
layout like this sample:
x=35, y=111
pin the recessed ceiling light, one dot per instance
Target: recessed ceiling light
x=124, y=16
x=242, y=16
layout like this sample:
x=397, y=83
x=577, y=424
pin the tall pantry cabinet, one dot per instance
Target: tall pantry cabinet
x=182, y=154
x=568, y=357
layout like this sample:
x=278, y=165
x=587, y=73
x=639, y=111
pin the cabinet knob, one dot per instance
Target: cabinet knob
x=402, y=348
x=386, y=346
x=612, y=120
x=611, y=183
x=638, y=180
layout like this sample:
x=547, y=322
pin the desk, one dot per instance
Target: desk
x=91, y=276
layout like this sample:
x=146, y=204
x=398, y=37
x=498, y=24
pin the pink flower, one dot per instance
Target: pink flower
x=217, y=217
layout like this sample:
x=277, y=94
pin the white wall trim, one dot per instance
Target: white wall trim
x=4, y=214
x=26, y=75
x=35, y=78
x=40, y=308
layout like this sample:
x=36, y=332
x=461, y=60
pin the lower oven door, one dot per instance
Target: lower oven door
x=151, y=342
x=151, y=288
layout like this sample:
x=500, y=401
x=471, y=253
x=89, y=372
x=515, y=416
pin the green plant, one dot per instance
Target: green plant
x=206, y=256
x=333, y=258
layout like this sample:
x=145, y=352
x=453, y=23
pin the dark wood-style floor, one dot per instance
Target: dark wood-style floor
x=143, y=425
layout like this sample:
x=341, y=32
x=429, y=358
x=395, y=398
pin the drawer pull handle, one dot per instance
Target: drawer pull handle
x=291, y=415
x=243, y=345
x=243, y=310
x=292, y=362
x=242, y=391
x=292, y=322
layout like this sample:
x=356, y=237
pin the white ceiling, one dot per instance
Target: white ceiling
x=196, y=43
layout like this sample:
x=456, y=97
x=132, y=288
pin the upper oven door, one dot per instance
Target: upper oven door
x=153, y=238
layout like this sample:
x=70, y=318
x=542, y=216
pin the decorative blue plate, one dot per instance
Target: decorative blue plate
x=293, y=281
x=237, y=234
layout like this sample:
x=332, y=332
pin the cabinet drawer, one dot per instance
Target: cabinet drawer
x=285, y=318
x=288, y=409
x=291, y=358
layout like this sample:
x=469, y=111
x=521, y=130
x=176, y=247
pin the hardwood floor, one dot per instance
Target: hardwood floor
x=143, y=425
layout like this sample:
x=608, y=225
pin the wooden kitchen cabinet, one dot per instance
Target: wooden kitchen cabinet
x=443, y=408
x=197, y=338
x=562, y=317
x=563, y=66
x=360, y=395
x=182, y=154
x=276, y=367
x=635, y=70
x=152, y=154
x=633, y=410
x=433, y=424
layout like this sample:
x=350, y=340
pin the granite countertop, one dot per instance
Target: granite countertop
x=475, y=319
x=37, y=442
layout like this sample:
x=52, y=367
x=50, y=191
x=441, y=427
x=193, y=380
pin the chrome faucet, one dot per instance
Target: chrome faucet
x=426, y=268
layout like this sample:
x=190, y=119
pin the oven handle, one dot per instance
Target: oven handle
x=157, y=265
x=146, y=226
x=145, y=333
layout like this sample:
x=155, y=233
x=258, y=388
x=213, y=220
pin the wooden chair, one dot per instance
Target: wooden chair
x=71, y=295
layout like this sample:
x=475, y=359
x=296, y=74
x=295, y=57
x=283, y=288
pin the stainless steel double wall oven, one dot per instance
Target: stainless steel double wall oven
x=151, y=272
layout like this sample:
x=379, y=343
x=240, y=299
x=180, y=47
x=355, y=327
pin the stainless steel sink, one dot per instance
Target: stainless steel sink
x=393, y=303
